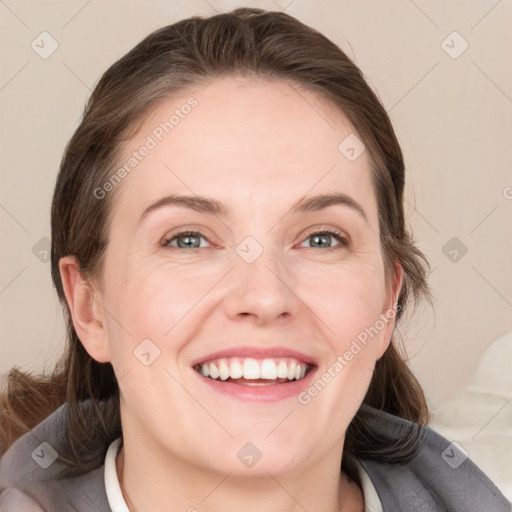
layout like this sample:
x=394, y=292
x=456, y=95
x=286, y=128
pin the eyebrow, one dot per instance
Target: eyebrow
x=212, y=206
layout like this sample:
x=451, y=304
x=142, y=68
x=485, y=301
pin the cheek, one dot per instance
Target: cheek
x=349, y=305
x=347, y=298
x=141, y=335
x=156, y=302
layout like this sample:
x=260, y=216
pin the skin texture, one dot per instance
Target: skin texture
x=258, y=146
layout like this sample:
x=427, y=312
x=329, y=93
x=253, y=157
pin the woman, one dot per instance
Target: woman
x=216, y=359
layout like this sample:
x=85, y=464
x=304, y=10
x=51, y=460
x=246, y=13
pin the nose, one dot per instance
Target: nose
x=263, y=290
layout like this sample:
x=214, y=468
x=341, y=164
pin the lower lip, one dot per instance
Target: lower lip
x=267, y=393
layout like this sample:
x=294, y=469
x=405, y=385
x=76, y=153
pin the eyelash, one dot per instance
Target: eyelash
x=334, y=233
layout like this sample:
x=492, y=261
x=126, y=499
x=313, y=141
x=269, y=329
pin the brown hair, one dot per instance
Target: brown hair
x=248, y=42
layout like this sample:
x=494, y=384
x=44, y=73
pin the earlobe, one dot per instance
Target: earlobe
x=86, y=312
x=389, y=312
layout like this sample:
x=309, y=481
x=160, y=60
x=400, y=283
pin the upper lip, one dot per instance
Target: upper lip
x=257, y=353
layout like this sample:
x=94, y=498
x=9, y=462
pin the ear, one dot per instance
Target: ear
x=389, y=310
x=86, y=309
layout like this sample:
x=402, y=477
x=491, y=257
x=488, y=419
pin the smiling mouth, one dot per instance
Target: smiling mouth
x=254, y=372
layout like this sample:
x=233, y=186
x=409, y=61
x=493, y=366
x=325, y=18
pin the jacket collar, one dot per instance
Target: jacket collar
x=438, y=478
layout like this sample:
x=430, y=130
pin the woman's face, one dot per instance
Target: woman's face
x=260, y=281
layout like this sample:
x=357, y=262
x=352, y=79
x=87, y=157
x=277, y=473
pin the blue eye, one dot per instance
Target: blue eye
x=188, y=236
x=191, y=240
x=321, y=236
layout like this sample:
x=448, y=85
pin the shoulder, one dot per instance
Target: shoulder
x=12, y=500
x=30, y=474
x=439, y=476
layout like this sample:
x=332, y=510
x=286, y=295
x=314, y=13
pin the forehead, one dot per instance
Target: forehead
x=248, y=142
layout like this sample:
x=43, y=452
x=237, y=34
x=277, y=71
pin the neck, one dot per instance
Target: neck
x=147, y=484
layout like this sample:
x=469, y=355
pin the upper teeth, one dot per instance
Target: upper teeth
x=248, y=368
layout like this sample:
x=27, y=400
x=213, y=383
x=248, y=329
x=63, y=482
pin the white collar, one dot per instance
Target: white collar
x=117, y=503
x=372, y=502
x=112, y=487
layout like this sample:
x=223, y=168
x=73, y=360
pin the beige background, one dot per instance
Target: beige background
x=452, y=117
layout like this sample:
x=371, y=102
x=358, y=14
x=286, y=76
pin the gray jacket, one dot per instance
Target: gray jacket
x=439, y=478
